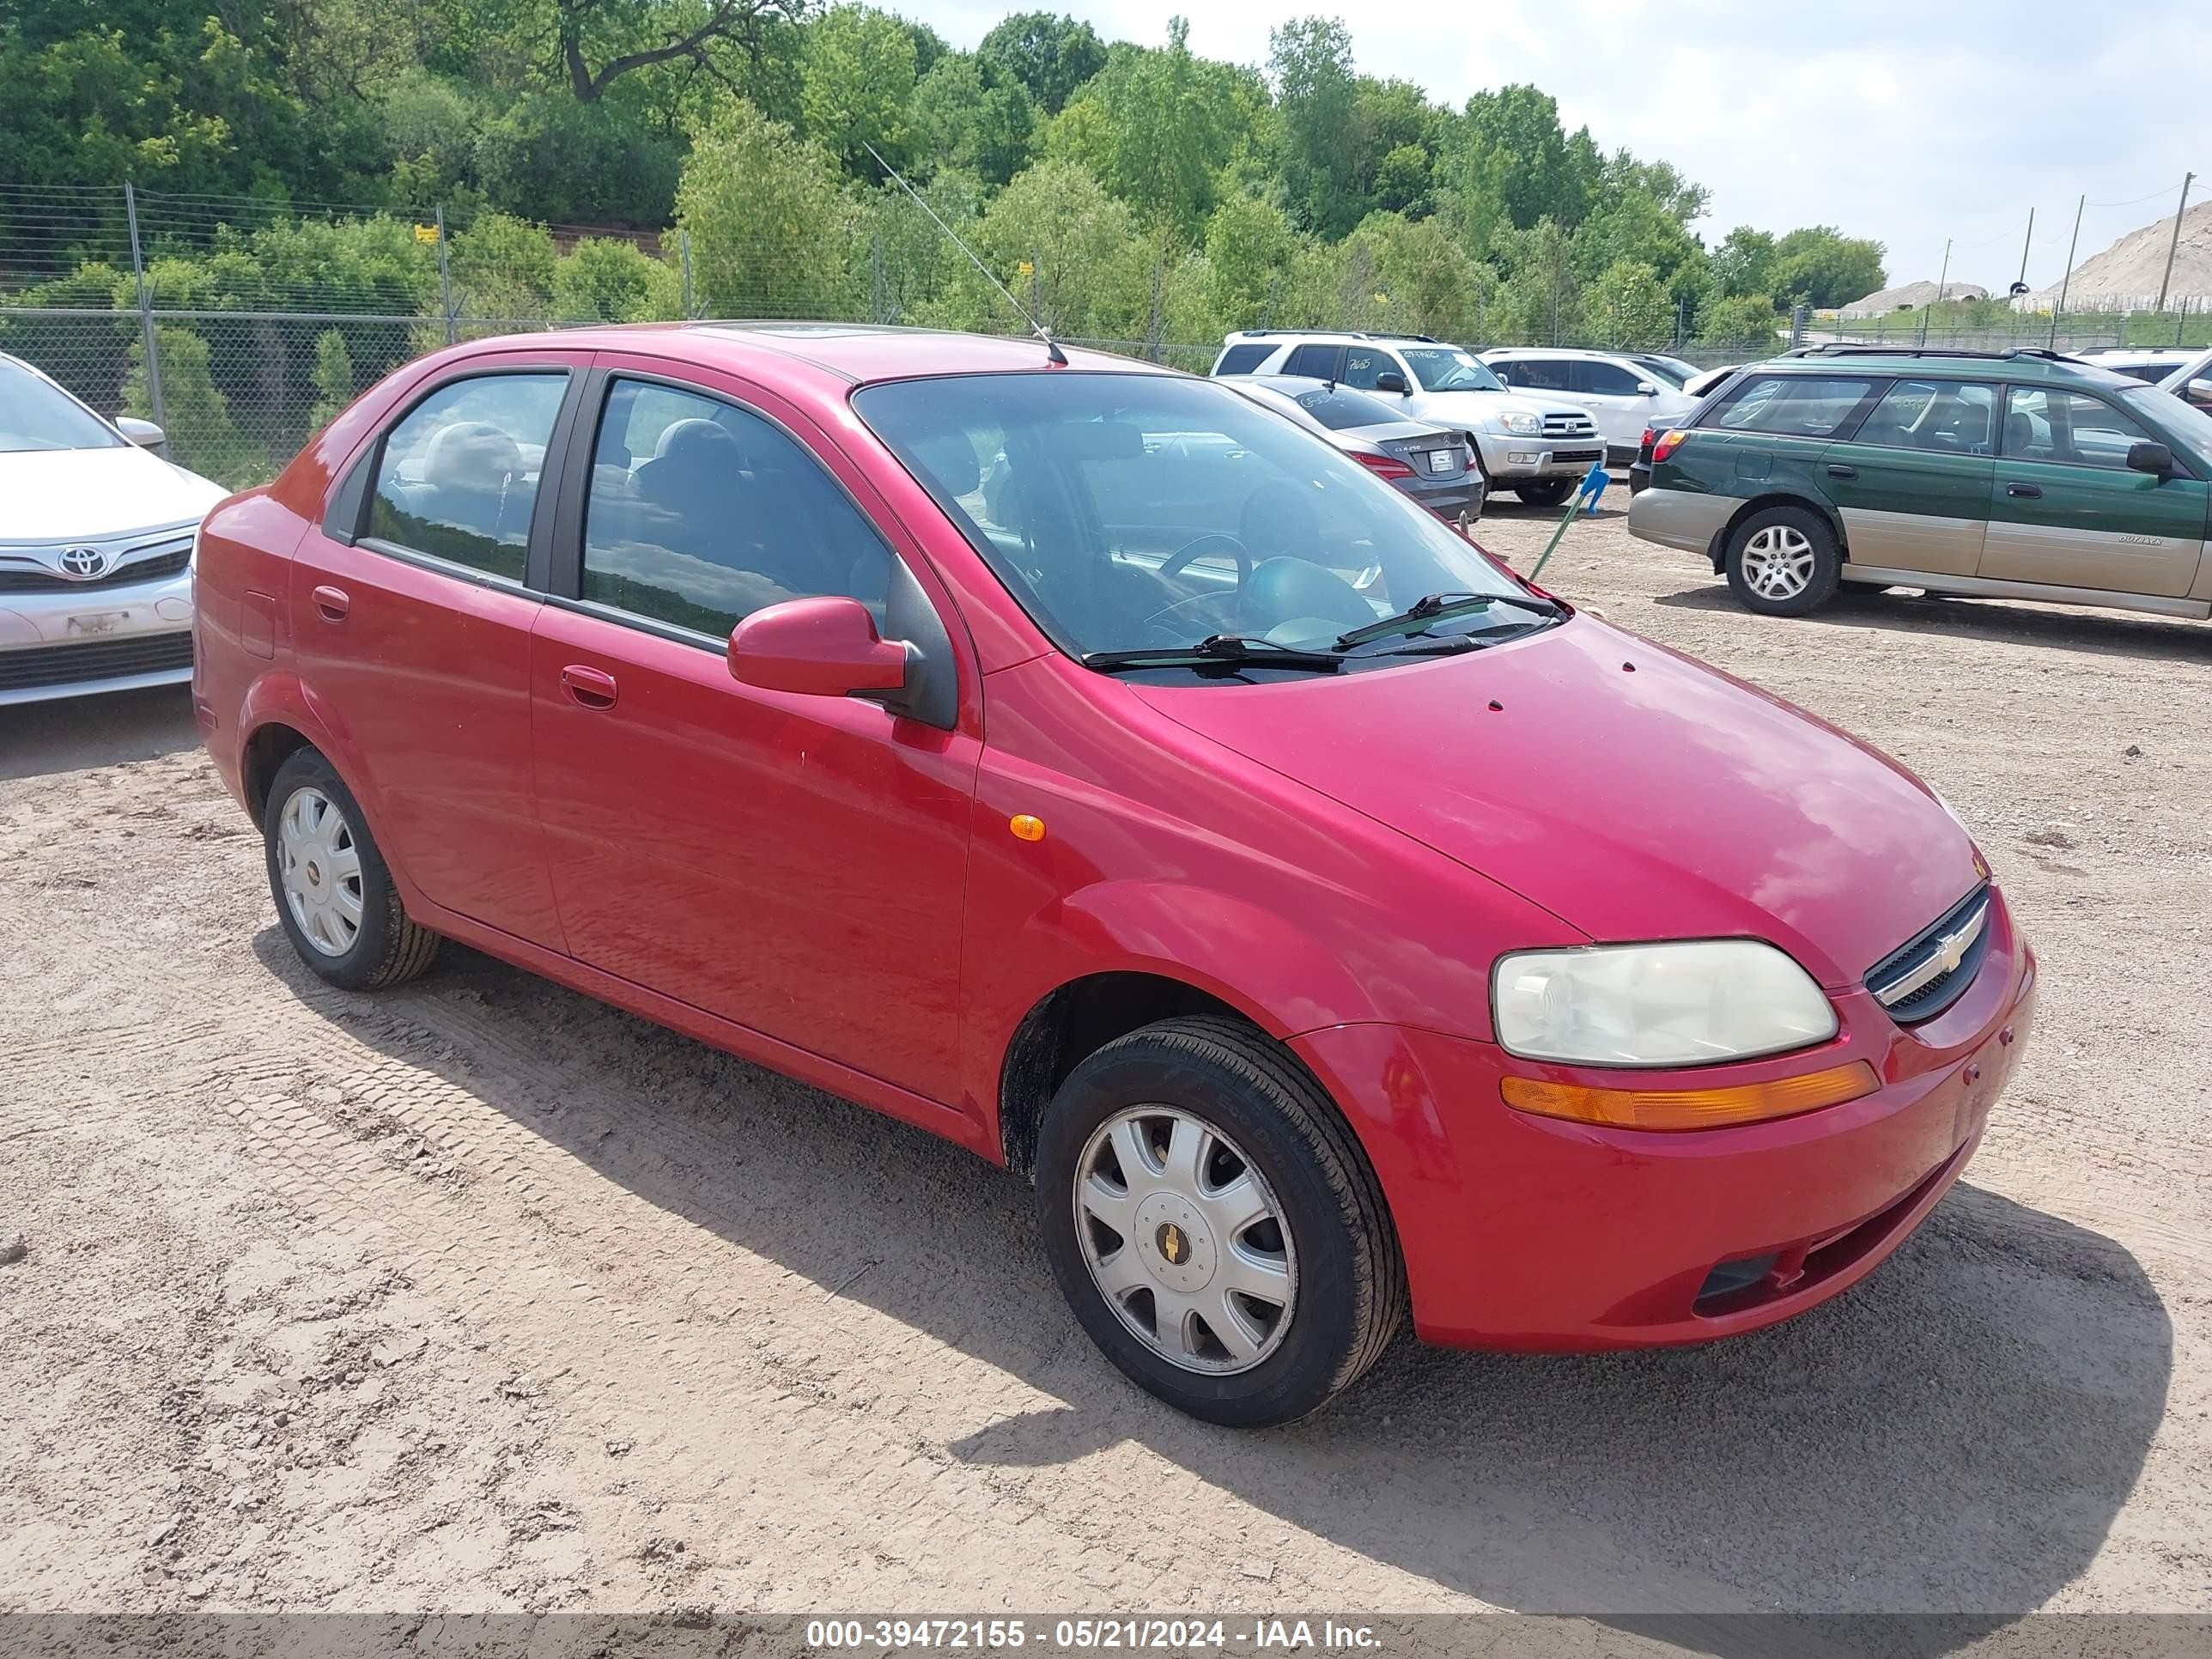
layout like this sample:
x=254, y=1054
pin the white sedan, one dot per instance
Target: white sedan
x=95, y=547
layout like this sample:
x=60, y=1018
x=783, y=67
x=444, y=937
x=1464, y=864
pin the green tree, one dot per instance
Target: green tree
x=601, y=41
x=1629, y=306
x=1088, y=271
x=333, y=379
x=1541, y=299
x=857, y=81
x=1157, y=127
x=970, y=114
x=1409, y=276
x=1741, y=321
x=1512, y=149
x=1050, y=55
x=501, y=267
x=604, y=279
x=1260, y=273
x=903, y=262
x=1744, y=262
x=548, y=157
x=195, y=414
x=1316, y=94
x=769, y=219
x=1819, y=265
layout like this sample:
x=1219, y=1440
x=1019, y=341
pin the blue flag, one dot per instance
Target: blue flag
x=1593, y=484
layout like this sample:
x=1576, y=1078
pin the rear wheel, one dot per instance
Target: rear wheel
x=1782, y=561
x=1545, y=492
x=334, y=893
x=1213, y=1223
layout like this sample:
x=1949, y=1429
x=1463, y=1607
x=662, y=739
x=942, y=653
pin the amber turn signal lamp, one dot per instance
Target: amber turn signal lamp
x=1691, y=1108
x=1026, y=827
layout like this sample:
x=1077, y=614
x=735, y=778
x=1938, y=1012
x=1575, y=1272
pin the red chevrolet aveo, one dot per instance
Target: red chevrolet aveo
x=1081, y=762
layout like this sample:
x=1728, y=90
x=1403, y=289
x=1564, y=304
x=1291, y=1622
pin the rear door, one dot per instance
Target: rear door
x=1771, y=432
x=2066, y=510
x=1912, y=484
x=411, y=625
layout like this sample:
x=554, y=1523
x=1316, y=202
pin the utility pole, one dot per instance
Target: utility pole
x=2021, y=281
x=1941, y=282
x=445, y=283
x=2166, y=281
x=2065, y=282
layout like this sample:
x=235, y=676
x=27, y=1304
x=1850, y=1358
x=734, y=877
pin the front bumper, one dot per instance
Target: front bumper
x=1506, y=457
x=1538, y=1235
x=71, y=640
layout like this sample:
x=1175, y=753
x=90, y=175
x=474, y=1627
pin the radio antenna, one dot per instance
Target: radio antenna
x=1051, y=346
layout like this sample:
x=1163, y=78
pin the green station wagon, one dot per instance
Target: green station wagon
x=2017, y=475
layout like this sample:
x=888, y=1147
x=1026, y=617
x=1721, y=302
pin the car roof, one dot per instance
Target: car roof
x=1557, y=351
x=858, y=354
x=1322, y=336
x=2025, y=365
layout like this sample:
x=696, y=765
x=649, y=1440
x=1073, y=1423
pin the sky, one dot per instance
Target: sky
x=1909, y=121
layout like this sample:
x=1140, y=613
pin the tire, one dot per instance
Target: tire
x=1782, y=561
x=1545, y=492
x=316, y=859
x=1326, y=1236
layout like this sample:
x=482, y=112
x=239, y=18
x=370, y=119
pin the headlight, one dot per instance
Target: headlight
x=1689, y=1004
x=1525, y=426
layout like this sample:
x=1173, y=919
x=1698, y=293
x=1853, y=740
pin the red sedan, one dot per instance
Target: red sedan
x=1075, y=760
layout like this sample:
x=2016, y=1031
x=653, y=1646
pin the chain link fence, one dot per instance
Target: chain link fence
x=241, y=327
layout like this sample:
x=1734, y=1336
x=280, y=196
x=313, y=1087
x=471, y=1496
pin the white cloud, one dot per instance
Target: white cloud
x=1896, y=119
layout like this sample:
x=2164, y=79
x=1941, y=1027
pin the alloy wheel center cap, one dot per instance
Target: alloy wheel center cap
x=1174, y=1244
x=314, y=873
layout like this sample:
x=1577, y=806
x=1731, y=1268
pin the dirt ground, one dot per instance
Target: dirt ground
x=482, y=1296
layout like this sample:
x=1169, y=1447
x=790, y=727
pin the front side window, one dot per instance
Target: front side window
x=1793, y=406
x=1541, y=373
x=2068, y=427
x=459, y=477
x=1447, y=368
x=1605, y=379
x=36, y=414
x=1364, y=365
x=700, y=513
x=1946, y=416
x=1129, y=512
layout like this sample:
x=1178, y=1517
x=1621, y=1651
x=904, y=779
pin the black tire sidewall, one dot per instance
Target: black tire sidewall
x=1549, y=493
x=1311, y=1364
x=358, y=969
x=1827, y=562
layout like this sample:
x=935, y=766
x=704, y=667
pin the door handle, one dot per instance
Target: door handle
x=333, y=603
x=2028, y=490
x=1838, y=469
x=589, y=688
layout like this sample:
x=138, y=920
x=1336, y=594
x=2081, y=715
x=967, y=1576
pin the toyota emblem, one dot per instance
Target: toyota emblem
x=83, y=564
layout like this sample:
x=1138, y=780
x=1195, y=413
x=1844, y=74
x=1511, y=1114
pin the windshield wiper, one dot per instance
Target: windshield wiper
x=1431, y=607
x=1216, y=650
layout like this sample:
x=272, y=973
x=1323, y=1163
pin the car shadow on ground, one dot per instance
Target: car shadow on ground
x=2095, y=632
x=1954, y=1435
x=71, y=734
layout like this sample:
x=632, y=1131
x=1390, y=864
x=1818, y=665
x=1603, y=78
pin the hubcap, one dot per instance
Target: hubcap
x=1777, y=563
x=318, y=867
x=1185, y=1240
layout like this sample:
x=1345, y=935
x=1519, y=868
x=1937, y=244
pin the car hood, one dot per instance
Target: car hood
x=1464, y=407
x=1633, y=792
x=95, y=495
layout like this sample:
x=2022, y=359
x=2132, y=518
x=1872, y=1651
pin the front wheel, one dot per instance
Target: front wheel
x=1214, y=1226
x=1782, y=561
x=1545, y=492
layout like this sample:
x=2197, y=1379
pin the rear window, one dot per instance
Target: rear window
x=1793, y=406
x=1340, y=410
x=1242, y=358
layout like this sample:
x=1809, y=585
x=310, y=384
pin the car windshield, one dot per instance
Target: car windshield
x=1447, y=368
x=1340, y=410
x=2184, y=425
x=34, y=415
x=1142, y=511
x=1667, y=369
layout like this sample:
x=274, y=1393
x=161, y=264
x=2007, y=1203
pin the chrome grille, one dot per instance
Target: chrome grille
x=1569, y=426
x=20, y=578
x=1933, y=970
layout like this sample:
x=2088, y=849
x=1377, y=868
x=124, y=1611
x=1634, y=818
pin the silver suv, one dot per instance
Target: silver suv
x=1537, y=448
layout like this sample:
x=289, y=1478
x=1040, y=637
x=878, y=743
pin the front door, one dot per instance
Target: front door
x=794, y=864
x=411, y=627
x=1912, y=486
x=1609, y=392
x=2066, y=510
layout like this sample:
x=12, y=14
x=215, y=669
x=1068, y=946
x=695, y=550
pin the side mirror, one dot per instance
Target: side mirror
x=144, y=433
x=825, y=648
x=2155, y=458
x=1391, y=380
x=1645, y=389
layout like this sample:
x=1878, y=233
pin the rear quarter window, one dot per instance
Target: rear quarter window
x=1793, y=406
x=1242, y=359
